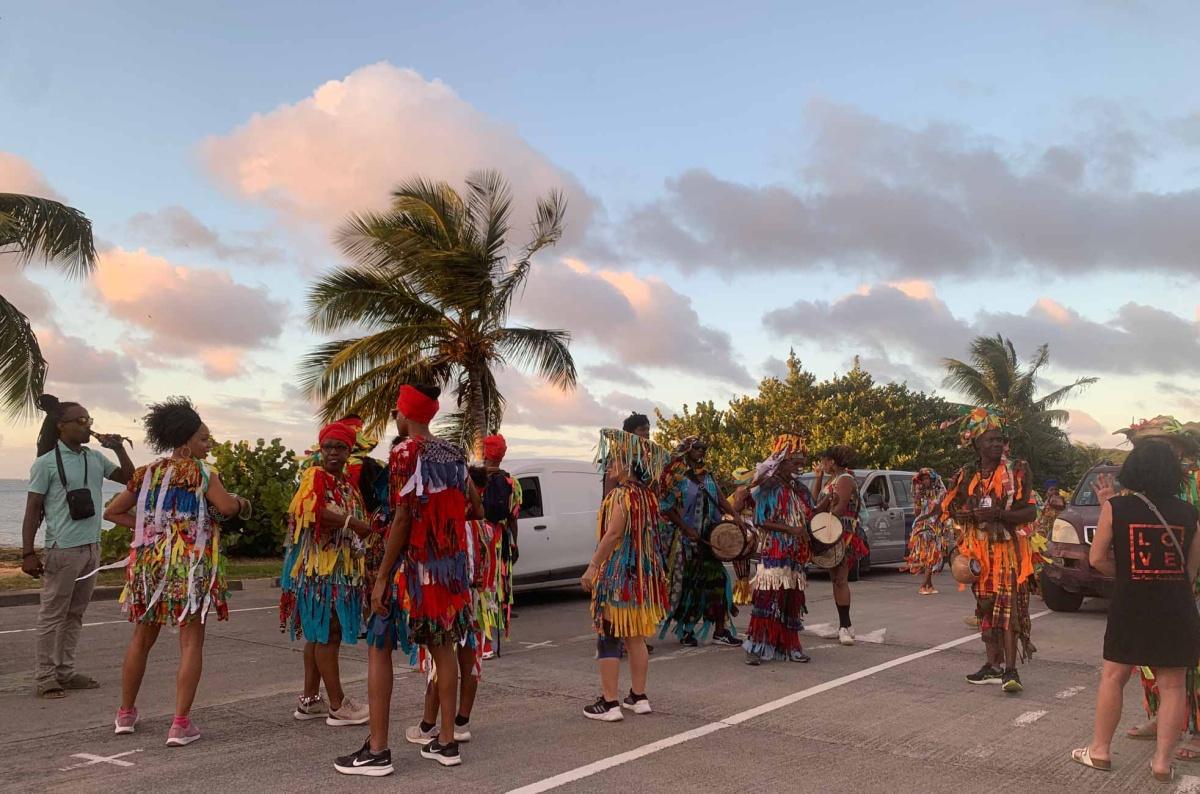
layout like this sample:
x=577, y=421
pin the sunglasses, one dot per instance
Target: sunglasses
x=83, y=421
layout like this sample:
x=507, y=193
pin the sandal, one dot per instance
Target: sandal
x=1163, y=777
x=80, y=681
x=1083, y=755
x=52, y=691
x=1145, y=732
x=1187, y=752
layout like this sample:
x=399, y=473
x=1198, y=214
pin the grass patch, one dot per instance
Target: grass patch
x=11, y=577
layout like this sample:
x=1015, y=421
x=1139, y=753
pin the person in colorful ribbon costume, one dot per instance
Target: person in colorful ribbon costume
x=782, y=509
x=175, y=574
x=992, y=501
x=927, y=545
x=839, y=496
x=427, y=600
x=743, y=507
x=501, y=495
x=1184, y=441
x=322, y=580
x=625, y=576
x=701, y=596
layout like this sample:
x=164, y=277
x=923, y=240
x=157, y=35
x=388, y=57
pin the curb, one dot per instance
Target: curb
x=16, y=598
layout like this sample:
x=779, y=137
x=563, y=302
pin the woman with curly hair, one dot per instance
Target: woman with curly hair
x=175, y=574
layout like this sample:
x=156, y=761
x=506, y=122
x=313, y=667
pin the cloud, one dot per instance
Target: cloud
x=96, y=378
x=538, y=405
x=17, y=175
x=931, y=202
x=345, y=147
x=1084, y=428
x=188, y=311
x=885, y=319
x=616, y=373
x=31, y=299
x=175, y=227
x=641, y=321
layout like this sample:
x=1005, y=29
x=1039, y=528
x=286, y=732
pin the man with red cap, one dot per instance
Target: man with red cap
x=322, y=577
x=427, y=600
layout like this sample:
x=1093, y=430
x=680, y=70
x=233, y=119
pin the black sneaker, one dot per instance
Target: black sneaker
x=726, y=638
x=638, y=704
x=365, y=762
x=986, y=675
x=689, y=640
x=604, y=710
x=444, y=754
x=1011, y=682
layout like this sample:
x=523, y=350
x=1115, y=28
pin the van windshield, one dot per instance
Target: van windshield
x=1085, y=494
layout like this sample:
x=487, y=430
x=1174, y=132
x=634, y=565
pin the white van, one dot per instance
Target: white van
x=556, y=531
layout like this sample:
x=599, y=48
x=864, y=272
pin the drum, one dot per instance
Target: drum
x=826, y=540
x=732, y=540
x=964, y=569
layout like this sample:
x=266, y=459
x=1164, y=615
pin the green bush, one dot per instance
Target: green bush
x=266, y=474
x=114, y=543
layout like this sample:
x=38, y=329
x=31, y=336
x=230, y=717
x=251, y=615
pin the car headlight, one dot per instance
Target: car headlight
x=1063, y=532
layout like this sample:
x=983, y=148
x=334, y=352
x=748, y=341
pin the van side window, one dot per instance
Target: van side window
x=902, y=488
x=877, y=491
x=531, y=497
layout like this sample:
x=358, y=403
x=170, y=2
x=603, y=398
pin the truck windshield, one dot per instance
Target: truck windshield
x=1085, y=494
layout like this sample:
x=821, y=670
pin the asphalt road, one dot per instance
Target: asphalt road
x=891, y=714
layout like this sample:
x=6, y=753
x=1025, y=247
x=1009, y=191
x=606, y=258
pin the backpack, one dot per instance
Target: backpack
x=497, y=498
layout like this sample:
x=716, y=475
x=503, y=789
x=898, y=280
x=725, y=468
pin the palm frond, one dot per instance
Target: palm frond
x=547, y=231
x=548, y=353
x=35, y=227
x=968, y=381
x=365, y=297
x=489, y=201
x=22, y=367
x=1057, y=396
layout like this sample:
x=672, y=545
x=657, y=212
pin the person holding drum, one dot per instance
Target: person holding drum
x=992, y=501
x=840, y=498
x=701, y=597
x=625, y=576
x=782, y=507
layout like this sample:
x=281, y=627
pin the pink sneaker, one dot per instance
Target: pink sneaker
x=182, y=733
x=125, y=721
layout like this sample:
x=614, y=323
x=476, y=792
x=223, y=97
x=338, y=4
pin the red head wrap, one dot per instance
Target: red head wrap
x=339, y=431
x=353, y=421
x=412, y=404
x=495, y=448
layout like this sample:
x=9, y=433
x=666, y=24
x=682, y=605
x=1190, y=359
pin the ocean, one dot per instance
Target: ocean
x=12, y=509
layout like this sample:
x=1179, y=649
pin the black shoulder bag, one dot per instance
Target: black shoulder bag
x=79, y=501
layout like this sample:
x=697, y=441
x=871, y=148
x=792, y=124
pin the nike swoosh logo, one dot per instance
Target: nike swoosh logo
x=362, y=763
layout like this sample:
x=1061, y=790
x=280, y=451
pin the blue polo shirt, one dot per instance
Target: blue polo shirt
x=62, y=531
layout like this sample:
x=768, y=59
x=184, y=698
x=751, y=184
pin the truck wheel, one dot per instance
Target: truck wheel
x=1057, y=598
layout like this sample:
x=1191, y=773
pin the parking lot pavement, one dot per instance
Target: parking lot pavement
x=890, y=714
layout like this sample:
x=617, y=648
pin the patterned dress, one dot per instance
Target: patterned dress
x=851, y=518
x=929, y=543
x=629, y=598
x=777, y=614
x=324, y=566
x=701, y=595
x=175, y=571
x=1005, y=559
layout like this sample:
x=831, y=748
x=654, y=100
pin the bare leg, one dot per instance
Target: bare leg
x=1010, y=650
x=134, y=666
x=432, y=704
x=312, y=678
x=610, y=675
x=1108, y=708
x=447, y=685
x=191, y=664
x=995, y=656
x=639, y=664
x=840, y=576
x=326, y=657
x=468, y=683
x=379, y=693
x=928, y=584
x=1172, y=715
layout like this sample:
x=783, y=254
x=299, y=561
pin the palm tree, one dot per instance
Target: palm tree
x=33, y=228
x=429, y=290
x=995, y=378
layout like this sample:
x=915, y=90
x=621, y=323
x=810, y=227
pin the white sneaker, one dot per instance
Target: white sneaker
x=603, y=711
x=638, y=705
x=350, y=713
x=846, y=636
x=310, y=710
x=415, y=735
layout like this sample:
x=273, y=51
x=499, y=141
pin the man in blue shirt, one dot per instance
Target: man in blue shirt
x=72, y=540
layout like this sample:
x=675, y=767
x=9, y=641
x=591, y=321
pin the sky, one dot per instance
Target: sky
x=864, y=179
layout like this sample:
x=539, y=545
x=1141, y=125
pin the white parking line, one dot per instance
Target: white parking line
x=596, y=767
x=114, y=622
x=1070, y=693
x=1028, y=718
x=89, y=760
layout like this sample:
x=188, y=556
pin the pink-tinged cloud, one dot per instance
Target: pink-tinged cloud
x=81, y=373
x=535, y=404
x=348, y=145
x=190, y=312
x=175, y=227
x=1084, y=428
x=17, y=175
x=640, y=321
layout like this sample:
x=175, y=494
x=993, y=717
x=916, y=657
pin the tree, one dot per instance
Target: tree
x=889, y=426
x=267, y=475
x=994, y=378
x=35, y=228
x=431, y=284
